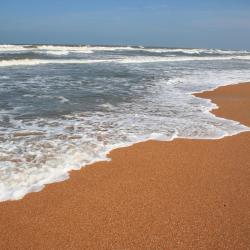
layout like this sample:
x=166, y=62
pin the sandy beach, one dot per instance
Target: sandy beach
x=184, y=194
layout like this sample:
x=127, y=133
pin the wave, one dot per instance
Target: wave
x=56, y=53
x=136, y=59
x=33, y=62
x=4, y=47
x=179, y=59
x=58, y=50
x=65, y=50
x=197, y=51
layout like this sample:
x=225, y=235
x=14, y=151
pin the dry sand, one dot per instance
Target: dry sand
x=185, y=194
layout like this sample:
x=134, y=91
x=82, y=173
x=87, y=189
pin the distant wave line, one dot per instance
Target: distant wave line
x=64, y=50
x=31, y=62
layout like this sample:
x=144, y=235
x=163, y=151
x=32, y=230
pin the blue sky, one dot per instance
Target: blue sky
x=176, y=23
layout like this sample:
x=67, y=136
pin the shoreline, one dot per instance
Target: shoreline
x=220, y=109
x=146, y=210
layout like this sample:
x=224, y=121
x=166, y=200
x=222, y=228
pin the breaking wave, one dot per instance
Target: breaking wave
x=137, y=59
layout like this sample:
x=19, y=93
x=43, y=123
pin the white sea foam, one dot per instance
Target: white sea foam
x=65, y=50
x=136, y=59
x=62, y=99
x=58, y=50
x=55, y=52
x=197, y=51
x=141, y=59
x=32, y=62
x=12, y=48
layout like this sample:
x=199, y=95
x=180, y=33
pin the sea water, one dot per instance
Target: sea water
x=63, y=107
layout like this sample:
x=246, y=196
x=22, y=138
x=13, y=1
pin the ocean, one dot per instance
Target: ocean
x=63, y=107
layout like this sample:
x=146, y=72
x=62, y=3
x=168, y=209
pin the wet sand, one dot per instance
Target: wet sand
x=185, y=194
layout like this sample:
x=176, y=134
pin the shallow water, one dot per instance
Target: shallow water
x=62, y=107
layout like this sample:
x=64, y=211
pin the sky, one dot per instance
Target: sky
x=177, y=23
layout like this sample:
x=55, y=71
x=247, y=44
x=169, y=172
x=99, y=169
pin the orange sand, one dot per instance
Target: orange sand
x=185, y=194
